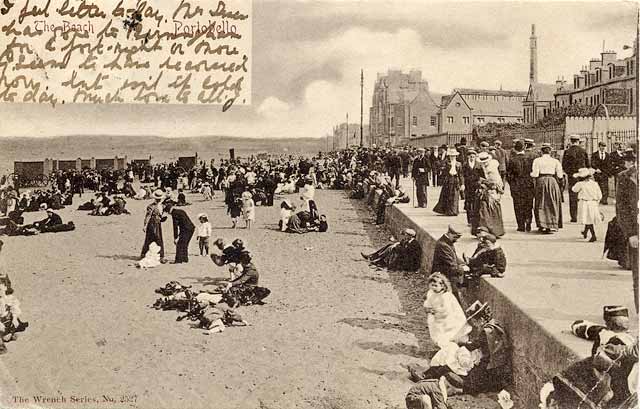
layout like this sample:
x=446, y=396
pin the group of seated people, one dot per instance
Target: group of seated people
x=301, y=219
x=14, y=224
x=105, y=206
x=53, y=199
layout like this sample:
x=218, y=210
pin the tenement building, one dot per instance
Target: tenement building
x=608, y=80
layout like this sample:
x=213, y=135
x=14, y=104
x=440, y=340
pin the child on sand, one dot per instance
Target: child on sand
x=204, y=232
x=248, y=209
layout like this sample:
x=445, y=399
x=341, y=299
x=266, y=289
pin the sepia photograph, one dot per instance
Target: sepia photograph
x=319, y=204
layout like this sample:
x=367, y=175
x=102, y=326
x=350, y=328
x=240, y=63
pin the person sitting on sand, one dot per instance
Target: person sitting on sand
x=404, y=255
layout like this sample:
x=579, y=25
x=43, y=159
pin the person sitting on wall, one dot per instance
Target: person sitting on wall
x=404, y=255
x=488, y=258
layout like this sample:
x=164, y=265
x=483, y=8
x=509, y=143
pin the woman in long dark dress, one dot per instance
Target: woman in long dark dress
x=489, y=193
x=453, y=184
x=153, y=224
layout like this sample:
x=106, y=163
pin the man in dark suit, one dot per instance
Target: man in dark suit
x=627, y=202
x=574, y=158
x=600, y=162
x=446, y=260
x=616, y=160
x=522, y=187
x=420, y=173
x=183, y=229
x=394, y=166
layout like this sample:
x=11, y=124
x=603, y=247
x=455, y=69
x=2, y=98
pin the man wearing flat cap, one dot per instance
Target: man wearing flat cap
x=446, y=260
x=404, y=255
x=573, y=160
x=420, y=173
x=600, y=162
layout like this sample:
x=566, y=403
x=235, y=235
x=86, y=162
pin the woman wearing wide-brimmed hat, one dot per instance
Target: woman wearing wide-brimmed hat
x=153, y=224
x=547, y=207
x=452, y=185
x=488, y=210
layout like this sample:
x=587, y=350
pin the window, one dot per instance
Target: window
x=610, y=71
x=449, y=119
x=481, y=120
x=630, y=101
x=631, y=67
x=433, y=121
x=465, y=119
x=457, y=104
x=414, y=121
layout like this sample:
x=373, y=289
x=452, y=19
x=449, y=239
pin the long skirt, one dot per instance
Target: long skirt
x=490, y=213
x=548, y=203
x=153, y=234
x=449, y=200
x=588, y=212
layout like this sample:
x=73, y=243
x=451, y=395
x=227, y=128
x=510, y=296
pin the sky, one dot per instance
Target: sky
x=307, y=56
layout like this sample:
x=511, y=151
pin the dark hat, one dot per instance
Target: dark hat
x=610, y=311
x=237, y=243
x=602, y=144
x=574, y=137
x=629, y=155
x=443, y=146
x=471, y=151
x=518, y=145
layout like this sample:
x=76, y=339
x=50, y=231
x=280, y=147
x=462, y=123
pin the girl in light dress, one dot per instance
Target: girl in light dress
x=445, y=316
x=589, y=196
x=447, y=323
x=248, y=209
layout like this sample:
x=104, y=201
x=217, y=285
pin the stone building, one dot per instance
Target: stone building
x=402, y=108
x=497, y=106
x=608, y=80
x=455, y=114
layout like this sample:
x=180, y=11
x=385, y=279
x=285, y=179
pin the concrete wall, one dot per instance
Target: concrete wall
x=536, y=354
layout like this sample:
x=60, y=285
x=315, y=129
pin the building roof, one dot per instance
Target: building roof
x=541, y=92
x=471, y=91
x=446, y=100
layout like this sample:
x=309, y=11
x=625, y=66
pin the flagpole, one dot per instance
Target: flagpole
x=361, y=108
x=346, y=136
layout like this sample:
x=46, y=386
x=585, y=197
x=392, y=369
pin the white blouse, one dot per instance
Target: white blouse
x=546, y=165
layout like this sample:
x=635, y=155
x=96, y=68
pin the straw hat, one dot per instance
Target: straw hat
x=158, y=194
x=484, y=157
x=584, y=172
x=452, y=152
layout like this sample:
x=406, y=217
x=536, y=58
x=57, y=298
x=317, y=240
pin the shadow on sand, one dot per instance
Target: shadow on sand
x=411, y=290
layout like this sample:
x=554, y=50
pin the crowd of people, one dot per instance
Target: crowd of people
x=473, y=347
x=478, y=175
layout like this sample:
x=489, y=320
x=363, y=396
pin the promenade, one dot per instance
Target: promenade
x=551, y=280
